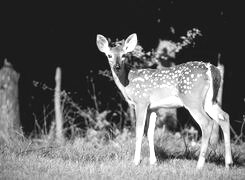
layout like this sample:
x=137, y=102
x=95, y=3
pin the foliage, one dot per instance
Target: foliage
x=166, y=51
x=93, y=123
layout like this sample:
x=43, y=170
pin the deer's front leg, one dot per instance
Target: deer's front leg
x=150, y=135
x=140, y=110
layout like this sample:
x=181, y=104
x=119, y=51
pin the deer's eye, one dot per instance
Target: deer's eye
x=109, y=56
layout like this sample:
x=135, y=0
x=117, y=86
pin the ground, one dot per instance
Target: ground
x=82, y=159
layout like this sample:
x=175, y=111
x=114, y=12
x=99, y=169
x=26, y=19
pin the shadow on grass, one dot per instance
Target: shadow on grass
x=193, y=154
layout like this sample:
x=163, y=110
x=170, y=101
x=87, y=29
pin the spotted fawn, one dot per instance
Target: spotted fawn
x=193, y=85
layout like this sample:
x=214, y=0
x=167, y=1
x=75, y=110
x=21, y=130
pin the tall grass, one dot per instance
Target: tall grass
x=84, y=159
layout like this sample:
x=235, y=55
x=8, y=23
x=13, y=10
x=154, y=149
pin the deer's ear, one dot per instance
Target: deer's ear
x=130, y=43
x=102, y=43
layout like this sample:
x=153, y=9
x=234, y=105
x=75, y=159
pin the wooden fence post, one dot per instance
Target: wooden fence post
x=58, y=111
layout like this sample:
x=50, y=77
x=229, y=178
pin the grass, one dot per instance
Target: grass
x=82, y=159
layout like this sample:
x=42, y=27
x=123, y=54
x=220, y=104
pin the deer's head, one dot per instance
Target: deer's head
x=116, y=55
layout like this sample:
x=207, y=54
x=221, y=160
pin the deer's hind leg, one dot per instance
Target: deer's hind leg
x=222, y=118
x=205, y=124
x=194, y=102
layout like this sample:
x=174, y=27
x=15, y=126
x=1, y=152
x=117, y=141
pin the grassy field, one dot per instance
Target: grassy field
x=82, y=159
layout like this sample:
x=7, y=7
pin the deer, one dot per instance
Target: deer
x=193, y=85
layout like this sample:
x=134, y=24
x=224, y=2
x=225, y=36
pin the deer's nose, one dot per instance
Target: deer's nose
x=117, y=67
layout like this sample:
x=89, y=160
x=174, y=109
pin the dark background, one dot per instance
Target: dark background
x=36, y=37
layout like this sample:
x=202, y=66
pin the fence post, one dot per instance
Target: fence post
x=58, y=111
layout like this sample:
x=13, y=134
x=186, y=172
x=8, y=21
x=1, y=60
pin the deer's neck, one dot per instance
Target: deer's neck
x=121, y=80
x=122, y=74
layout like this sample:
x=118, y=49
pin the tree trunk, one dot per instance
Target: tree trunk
x=9, y=103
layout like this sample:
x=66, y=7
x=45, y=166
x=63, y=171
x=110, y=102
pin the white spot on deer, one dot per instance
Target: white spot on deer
x=199, y=75
x=146, y=77
x=138, y=79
